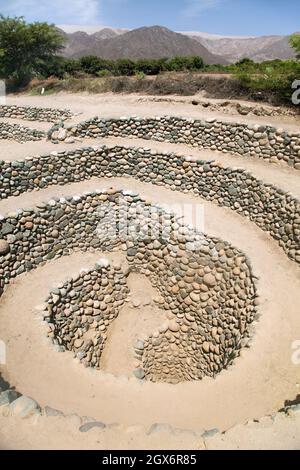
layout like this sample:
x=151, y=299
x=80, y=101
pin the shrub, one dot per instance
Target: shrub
x=275, y=77
x=104, y=73
x=140, y=75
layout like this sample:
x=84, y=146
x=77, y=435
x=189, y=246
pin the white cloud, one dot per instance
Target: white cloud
x=82, y=12
x=196, y=7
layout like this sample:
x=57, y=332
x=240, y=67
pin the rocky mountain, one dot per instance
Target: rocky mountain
x=279, y=49
x=141, y=43
x=77, y=42
x=157, y=42
x=256, y=48
x=80, y=41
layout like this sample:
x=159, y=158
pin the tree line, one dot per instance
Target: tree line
x=93, y=65
x=30, y=50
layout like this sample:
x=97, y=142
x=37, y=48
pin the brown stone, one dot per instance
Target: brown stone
x=209, y=280
x=173, y=326
x=4, y=247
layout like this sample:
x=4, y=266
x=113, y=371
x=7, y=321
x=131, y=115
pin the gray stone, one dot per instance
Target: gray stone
x=8, y=396
x=210, y=433
x=160, y=428
x=7, y=229
x=51, y=412
x=93, y=424
x=24, y=407
x=139, y=373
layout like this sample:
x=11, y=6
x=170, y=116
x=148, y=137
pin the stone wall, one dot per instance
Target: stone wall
x=206, y=285
x=249, y=141
x=9, y=131
x=81, y=310
x=272, y=209
x=29, y=113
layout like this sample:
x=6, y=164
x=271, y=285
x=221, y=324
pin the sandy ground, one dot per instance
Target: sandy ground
x=257, y=384
x=131, y=325
x=111, y=105
x=62, y=433
x=279, y=433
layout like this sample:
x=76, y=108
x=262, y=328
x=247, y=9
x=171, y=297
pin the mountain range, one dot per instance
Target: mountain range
x=157, y=42
x=256, y=48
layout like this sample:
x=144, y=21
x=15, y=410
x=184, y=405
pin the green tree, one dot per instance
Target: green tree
x=93, y=64
x=194, y=63
x=24, y=47
x=150, y=66
x=125, y=67
x=176, y=64
x=58, y=67
x=295, y=43
x=90, y=64
x=245, y=61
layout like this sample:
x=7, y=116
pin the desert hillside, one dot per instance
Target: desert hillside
x=157, y=42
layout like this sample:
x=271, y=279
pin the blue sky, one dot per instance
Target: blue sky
x=227, y=17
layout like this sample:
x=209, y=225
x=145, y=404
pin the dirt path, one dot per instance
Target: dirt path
x=116, y=105
x=257, y=384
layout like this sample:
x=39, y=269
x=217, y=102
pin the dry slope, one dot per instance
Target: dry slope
x=142, y=43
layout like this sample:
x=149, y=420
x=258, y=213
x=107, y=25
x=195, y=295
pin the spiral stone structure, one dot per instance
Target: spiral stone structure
x=123, y=303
